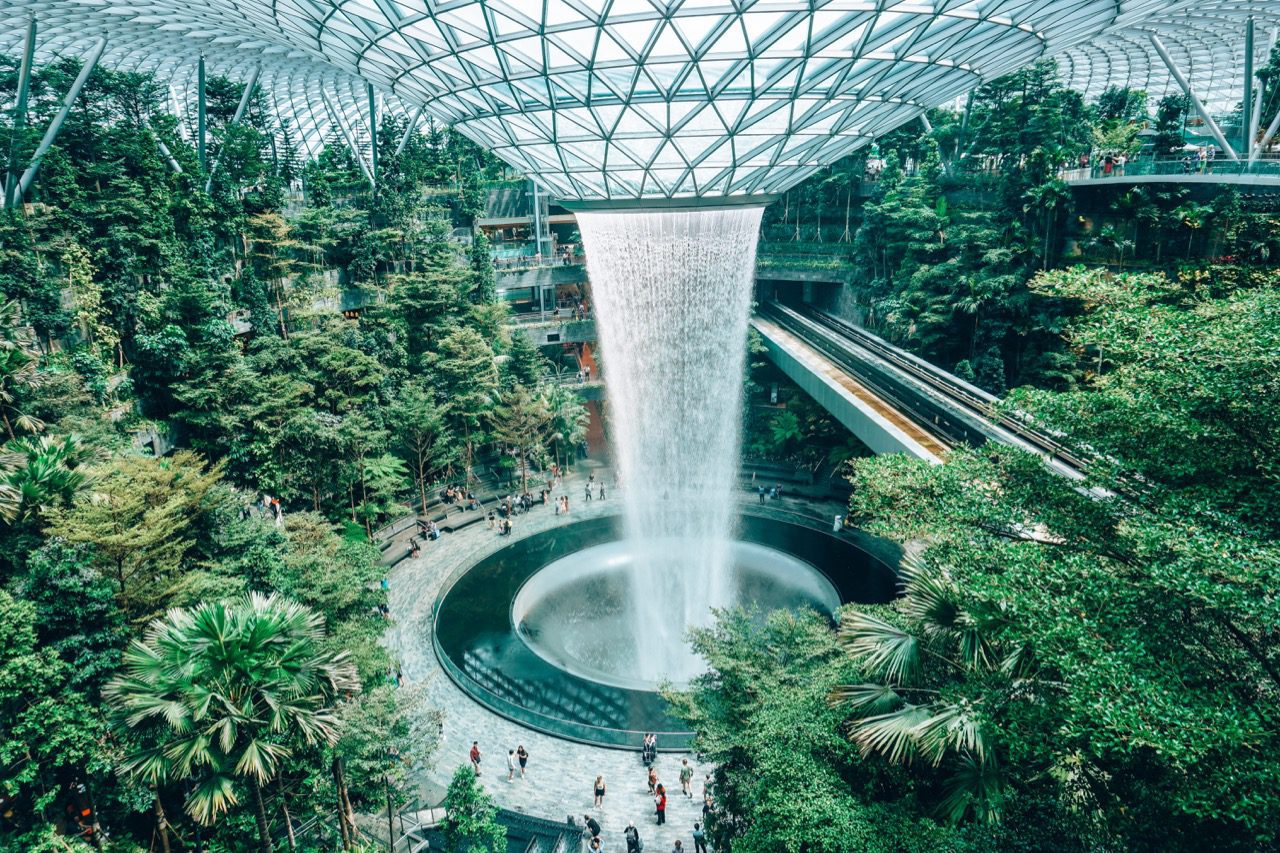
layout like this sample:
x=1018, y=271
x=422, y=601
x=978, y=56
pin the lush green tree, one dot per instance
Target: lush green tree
x=524, y=365
x=228, y=691
x=420, y=437
x=520, y=423
x=471, y=816
x=76, y=613
x=466, y=382
x=50, y=736
x=1101, y=587
x=140, y=521
x=569, y=421
x=785, y=778
x=1171, y=119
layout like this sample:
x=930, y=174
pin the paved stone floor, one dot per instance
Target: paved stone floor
x=561, y=773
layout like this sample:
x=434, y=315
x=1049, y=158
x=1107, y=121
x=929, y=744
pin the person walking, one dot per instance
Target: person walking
x=679, y=848
x=522, y=755
x=632, y=835
x=602, y=491
x=699, y=839
x=593, y=825
x=511, y=765
x=475, y=756
x=660, y=801
x=760, y=491
x=588, y=492
x=653, y=779
x=599, y=791
x=686, y=779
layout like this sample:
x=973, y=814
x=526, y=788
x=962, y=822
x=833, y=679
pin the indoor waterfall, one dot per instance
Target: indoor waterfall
x=672, y=292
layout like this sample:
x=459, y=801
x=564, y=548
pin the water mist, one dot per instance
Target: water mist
x=672, y=292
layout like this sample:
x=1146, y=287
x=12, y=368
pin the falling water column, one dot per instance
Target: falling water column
x=672, y=292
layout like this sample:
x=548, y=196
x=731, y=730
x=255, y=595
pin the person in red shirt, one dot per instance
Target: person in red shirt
x=475, y=756
x=661, y=801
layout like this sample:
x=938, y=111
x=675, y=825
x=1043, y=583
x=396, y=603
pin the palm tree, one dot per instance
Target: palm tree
x=1047, y=198
x=569, y=419
x=222, y=692
x=19, y=360
x=45, y=472
x=916, y=707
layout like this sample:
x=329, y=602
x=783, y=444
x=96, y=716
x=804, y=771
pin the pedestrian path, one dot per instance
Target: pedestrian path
x=558, y=783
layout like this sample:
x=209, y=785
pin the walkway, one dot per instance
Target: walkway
x=560, y=772
x=1259, y=175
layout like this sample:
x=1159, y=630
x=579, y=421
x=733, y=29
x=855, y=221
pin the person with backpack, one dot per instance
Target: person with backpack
x=632, y=835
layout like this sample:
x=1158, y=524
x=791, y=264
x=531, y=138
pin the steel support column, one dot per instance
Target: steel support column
x=1266, y=137
x=55, y=126
x=1246, y=103
x=167, y=154
x=200, y=117
x=373, y=134
x=245, y=97
x=346, y=135
x=928, y=126
x=1195, y=99
x=19, y=114
x=1255, y=148
x=408, y=131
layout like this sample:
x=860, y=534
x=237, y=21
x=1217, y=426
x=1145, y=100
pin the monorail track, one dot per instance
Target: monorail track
x=955, y=412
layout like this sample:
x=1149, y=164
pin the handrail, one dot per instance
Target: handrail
x=1174, y=166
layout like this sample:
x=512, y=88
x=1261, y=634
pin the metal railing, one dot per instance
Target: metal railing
x=1176, y=166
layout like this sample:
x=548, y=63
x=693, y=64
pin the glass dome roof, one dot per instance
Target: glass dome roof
x=628, y=99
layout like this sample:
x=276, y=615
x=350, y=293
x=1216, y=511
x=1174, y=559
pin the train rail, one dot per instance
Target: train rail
x=954, y=411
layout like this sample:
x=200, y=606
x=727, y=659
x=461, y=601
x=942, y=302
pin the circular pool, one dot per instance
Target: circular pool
x=541, y=631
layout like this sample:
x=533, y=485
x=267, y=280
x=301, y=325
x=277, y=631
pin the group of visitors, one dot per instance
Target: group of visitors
x=457, y=494
x=649, y=750
x=518, y=757
x=1203, y=162
x=772, y=493
x=265, y=507
x=518, y=761
x=577, y=308
x=1113, y=164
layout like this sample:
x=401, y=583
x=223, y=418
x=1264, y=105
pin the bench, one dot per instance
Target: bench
x=466, y=518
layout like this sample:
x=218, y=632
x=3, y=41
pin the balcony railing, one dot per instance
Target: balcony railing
x=1176, y=166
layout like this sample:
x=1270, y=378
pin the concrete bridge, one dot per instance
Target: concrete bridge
x=893, y=401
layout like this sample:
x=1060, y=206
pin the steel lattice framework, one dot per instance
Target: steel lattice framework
x=1205, y=40
x=628, y=99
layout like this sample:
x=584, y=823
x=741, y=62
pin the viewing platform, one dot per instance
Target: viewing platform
x=1261, y=174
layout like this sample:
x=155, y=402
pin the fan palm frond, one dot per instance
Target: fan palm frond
x=975, y=786
x=884, y=650
x=950, y=727
x=865, y=699
x=891, y=735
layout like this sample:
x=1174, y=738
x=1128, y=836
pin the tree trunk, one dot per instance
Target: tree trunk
x=422, y=483
x=288, y=821
x=342, y=815
x=260, y=812
x=391, y=827
x=346, y=801
x=162, y=825
x=284, y=332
